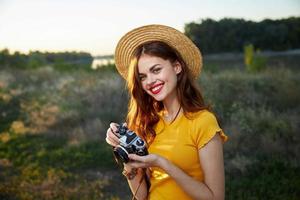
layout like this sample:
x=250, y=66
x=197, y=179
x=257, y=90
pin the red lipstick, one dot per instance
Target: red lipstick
x=155, y=89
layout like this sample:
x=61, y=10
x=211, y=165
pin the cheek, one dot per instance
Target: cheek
x=170, y=77
x=144, y=85
x=173, y=82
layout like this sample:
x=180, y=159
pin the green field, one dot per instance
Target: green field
x=53, y=125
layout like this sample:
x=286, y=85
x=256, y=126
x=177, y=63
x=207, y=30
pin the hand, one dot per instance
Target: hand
x=111, y=137
x=151, y=160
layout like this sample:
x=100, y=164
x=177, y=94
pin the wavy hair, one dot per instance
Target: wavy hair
x=143, y=109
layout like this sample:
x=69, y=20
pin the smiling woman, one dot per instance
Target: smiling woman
x=158, y=77
x=166, y=109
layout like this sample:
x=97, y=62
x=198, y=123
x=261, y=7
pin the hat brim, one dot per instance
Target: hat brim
x=182, y=44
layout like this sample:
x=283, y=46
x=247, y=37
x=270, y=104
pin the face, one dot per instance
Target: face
x=158, y=76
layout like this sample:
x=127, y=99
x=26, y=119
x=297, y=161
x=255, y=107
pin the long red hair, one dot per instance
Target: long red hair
x=143, y=109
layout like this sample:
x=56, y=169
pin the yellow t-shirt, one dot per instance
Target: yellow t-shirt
x=179, y=142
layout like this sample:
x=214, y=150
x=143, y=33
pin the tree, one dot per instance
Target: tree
x=231, y=35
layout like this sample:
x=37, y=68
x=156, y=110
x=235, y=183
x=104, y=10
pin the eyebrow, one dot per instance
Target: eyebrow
x=151, y=68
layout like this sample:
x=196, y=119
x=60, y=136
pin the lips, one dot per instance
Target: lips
x=155, y=89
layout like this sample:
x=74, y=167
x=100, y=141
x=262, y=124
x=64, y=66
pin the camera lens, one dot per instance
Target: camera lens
x=121, y=154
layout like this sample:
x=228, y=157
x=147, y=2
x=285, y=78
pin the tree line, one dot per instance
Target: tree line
x=211, y=36
x=36, y=59
x=231, y=35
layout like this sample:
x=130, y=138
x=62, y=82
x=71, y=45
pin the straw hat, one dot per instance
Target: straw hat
x=185, y=47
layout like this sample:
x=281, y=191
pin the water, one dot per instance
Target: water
x=98, y=62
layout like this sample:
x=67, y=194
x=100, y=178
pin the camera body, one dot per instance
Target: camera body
x=130, y=143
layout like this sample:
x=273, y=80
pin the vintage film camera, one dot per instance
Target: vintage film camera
x=130, y=142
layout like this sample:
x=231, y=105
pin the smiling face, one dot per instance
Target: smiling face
x=158, y=76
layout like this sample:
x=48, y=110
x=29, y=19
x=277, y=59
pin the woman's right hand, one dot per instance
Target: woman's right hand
x=111, y=137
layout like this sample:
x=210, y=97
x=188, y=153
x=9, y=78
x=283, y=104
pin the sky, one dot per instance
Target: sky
x=95, y=26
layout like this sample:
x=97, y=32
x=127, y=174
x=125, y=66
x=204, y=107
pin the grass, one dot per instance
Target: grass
x=53, y=125
x=39, y=166
x=269, y=178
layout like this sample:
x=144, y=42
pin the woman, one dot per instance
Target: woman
x=166, y=109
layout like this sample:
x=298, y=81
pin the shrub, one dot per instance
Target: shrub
x=253, y=60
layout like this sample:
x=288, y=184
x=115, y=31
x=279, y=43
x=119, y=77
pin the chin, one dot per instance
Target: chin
x=159, y=98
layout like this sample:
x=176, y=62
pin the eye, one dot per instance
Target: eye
x=142, y=78
x=156, y=70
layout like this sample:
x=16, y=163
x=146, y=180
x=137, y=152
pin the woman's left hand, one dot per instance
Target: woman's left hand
x=151, y=160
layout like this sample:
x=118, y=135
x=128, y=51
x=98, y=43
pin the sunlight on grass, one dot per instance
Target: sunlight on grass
x=53, y=126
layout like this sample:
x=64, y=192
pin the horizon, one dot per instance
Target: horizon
x=59, y=26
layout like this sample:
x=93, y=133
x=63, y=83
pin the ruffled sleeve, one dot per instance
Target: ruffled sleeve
x=205, y=126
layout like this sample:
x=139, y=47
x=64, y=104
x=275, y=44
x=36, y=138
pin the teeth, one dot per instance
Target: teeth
x=156, y=88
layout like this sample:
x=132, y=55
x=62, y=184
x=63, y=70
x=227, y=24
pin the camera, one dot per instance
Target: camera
x=130, y=142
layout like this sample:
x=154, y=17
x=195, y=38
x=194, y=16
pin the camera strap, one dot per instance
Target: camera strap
x=144, y=176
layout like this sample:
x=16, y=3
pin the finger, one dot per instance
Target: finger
x=137, y=165
x=136, y=158
x=112, y=143
x=111, y=136
x=114, y=127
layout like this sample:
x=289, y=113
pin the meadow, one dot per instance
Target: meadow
x=53, y=125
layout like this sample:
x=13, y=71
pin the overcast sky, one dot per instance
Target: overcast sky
x=95, y=26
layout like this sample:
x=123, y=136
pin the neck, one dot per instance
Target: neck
x=172, y=107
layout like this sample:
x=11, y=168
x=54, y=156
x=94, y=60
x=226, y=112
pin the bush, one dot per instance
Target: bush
x=253, y=60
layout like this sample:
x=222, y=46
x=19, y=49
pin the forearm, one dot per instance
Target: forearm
x=195, y=189
x=138, y=184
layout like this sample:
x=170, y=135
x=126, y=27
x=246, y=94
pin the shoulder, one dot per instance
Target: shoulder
x=202, y=117
x=205, y=126
x=201, y=122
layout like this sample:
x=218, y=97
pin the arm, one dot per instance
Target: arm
x=211, y=156
x=137, y=185
x=135, y=182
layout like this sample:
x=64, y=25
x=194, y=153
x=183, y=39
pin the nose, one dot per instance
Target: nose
x=150, y=80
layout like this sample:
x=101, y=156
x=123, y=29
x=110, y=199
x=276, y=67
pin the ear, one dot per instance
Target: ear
x=177, y=67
